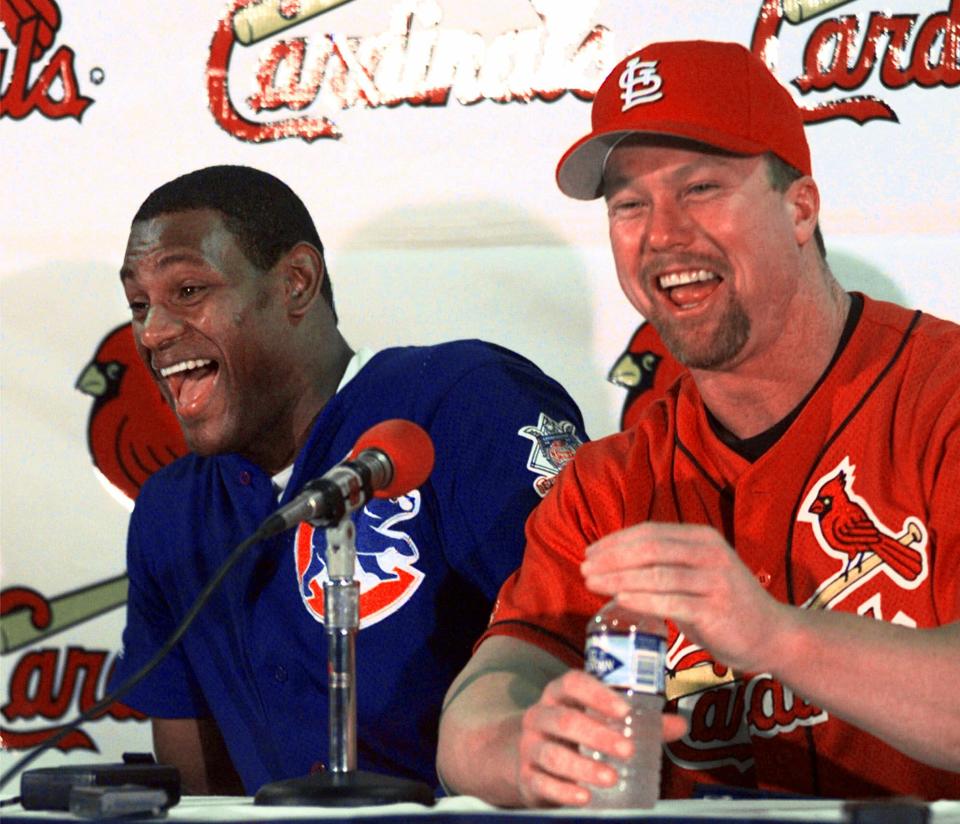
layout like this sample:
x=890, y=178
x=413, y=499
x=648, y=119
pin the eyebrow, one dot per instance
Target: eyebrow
x=169, y=259
x=611, y=185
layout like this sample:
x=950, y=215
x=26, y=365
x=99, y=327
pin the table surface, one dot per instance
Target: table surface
x=461, y=809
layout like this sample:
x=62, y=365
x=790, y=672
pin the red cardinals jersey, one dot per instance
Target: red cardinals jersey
x=855, y=508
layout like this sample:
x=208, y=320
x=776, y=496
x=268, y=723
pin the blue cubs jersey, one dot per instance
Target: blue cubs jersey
x=430, y=564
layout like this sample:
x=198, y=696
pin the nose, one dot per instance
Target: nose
x=668, y=226
x=160, y=327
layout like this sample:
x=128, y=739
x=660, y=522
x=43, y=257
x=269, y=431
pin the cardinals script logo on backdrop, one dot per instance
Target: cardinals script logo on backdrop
x=385, y=565
x=847, y=529
x=50, y=684
x=31, y=26
x=842, y=53
x=415, y=61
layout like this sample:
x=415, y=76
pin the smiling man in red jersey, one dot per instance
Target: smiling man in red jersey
x=790, y=507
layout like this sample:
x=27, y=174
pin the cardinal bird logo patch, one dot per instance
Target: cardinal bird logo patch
x=847, y=529
x=385, y=565
x=132, y=432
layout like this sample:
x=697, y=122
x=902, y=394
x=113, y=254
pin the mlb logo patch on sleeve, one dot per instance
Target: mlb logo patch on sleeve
x=554, y=443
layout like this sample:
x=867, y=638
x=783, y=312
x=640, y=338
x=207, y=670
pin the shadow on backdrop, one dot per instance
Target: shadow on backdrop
x=476, y=269
x=856, y=275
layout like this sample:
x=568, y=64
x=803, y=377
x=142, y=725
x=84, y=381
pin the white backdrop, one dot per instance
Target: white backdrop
x=441, y=220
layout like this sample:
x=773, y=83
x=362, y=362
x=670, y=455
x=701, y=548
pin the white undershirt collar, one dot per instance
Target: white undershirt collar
x=360, y=359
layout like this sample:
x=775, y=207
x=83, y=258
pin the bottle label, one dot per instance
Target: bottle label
x=633, y=662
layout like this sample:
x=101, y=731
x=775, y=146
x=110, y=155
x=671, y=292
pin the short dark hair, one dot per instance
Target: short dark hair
x=261, y=211
x=781, y=174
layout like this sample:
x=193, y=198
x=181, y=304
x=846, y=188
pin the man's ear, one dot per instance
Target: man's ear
x=804, y=199
x=303, y=273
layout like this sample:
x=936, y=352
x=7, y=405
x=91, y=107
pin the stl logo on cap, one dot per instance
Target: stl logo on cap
x=640, y=83
x=720, y=94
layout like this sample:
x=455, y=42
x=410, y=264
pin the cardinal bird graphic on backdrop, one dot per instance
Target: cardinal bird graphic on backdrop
x=132, y=432
x=848, y=528
x=645, y=370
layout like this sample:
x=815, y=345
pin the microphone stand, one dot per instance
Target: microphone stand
x=342, y=785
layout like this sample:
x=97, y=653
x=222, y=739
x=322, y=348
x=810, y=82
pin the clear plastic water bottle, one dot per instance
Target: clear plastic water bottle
x=627, y=651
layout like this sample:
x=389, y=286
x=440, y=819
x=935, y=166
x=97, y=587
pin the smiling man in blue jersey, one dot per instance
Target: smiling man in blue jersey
x=233, y=312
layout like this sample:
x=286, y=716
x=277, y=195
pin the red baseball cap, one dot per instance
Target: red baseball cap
x=720, y=94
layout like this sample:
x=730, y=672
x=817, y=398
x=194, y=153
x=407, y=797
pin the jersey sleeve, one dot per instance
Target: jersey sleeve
x=169, y=690
x=926, y=452
x=502, y=432
x=545, y=602
x=945, y=526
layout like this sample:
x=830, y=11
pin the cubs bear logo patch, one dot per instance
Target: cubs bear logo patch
x=385, y=563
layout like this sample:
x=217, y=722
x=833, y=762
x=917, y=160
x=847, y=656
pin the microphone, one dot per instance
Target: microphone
x=388, y=460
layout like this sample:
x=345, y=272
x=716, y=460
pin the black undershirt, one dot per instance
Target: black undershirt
x=755, y=446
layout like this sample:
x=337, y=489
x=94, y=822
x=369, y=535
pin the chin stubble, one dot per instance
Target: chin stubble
x=699, y=351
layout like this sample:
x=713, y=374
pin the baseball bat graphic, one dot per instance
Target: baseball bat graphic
x=35, y=618
x=799, y=11
x=838, y=585
x=254, y=23
x=698, y=678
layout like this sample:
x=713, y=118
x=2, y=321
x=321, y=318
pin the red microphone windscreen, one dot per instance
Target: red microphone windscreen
x=409, y=449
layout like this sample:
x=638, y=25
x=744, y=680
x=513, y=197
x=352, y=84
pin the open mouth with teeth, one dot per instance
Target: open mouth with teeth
x=189, y=382
x=689, y=288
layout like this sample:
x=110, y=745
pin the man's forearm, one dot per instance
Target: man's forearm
x=478, y=754
x=482, y=717
x=196, y=748
x=895, y=682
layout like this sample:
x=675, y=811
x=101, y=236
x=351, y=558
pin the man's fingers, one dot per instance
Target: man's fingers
x=652, y=579
x=562, y=761
x=557, y=772
x=575, y=717
x=674, y=726
x=576, y=688
x=653, y=533
x=575, y=728
x=668, y=554
x=540, y=789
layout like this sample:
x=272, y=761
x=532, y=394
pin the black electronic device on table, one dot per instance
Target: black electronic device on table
x=49, y=788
